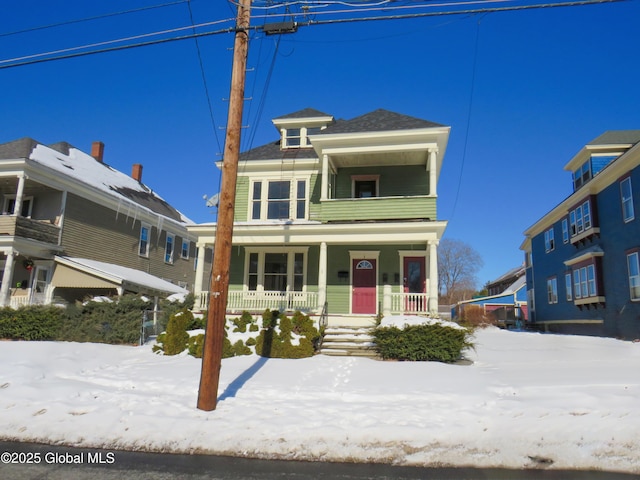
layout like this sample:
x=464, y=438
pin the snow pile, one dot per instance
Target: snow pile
x=528, y=400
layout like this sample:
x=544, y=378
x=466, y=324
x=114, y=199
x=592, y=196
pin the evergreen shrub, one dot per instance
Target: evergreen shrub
x=435, y=342
x=276, y=340
x=175, y=339
x=37, y=322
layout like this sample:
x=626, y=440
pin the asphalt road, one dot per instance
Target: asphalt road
x=25, y=461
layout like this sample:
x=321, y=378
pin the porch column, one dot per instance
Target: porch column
x=322, y=276
x=324, y=190
x=197, y=284
x=433, y=276
x=17, y=207
x=5, y=289
x=433, y=155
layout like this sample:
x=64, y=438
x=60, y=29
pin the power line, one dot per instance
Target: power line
x=87, y=19
x=204, y=78
x=30, y=60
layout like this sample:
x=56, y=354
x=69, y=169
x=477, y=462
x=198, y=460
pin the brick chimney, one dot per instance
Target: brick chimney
x=97, y=150
x=136, y=172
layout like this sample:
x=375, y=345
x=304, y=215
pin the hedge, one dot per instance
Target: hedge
x=422, y=342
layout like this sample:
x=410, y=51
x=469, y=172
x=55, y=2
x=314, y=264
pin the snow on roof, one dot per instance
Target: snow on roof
x=120, y=274
x=85, y=169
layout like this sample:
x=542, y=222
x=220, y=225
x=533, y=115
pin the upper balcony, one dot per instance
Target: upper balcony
x=378, y=208
x=39, y=230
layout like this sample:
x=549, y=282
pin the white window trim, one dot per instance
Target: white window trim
x=565, y=230
x=261, y=251
x=364, y=178
x=552, y=290
x=568, y=285
x=549, y=240
x=630, y=277
x=293, y=197
x=305, y=142
x=8, y=198
x=145, y=254
x=630, y=200
x=173, y=248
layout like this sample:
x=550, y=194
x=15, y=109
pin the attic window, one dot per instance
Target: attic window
x=298, y=137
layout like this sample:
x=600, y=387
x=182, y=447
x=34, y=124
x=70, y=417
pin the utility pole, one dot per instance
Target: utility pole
x=218, y=291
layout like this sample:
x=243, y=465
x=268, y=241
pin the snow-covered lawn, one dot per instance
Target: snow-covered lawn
x=528, y=400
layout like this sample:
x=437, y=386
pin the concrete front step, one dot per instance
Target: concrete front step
x=348, y=341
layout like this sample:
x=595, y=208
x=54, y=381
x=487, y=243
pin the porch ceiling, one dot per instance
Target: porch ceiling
x=379, y=159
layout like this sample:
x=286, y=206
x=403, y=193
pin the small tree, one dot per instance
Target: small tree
x=458, y=264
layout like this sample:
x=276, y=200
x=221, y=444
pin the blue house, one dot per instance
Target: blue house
x=583, y=257
x=506, y=300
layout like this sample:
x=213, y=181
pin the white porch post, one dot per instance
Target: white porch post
x=324, y=190
x=197, y=284
x=433, y=276
x=5, y=289
x=322, y=275
x=433, y=155
x=17, y=208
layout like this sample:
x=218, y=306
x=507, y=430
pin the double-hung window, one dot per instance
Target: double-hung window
x=565, y=231
x=168, y=249
x=626, y=196
x=184, y=252
x=552, y=290
x=633, y=267
x=143, y=245
x=279, y=199
x=568, y=287
x=549, y=243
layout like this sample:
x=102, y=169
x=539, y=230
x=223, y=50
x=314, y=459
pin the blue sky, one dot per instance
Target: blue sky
x=523, y=91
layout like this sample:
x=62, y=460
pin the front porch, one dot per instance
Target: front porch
x=392, y=303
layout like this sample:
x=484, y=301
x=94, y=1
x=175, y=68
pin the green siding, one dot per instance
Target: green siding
x=389, y=208
x=242, y=200
x=315, y=209
x=394, y=181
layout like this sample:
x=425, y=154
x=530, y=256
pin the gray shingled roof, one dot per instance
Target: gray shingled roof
x=379, y=121
x=304, y=113
x=617, y=137
x=272, y=151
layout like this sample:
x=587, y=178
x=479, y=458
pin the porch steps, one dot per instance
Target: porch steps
x=345, y=341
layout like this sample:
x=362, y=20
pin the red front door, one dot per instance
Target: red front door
x=363, y=299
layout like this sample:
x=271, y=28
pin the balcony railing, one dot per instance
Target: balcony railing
x=41, y=230
x=379, y=208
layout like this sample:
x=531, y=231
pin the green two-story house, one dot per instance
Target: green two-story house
x=337, y=215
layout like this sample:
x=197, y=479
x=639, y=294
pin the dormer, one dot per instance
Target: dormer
x=597, y=154
x=297, y=128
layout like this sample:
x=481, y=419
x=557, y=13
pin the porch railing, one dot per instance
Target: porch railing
x=254, y=301
x=411, y=303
